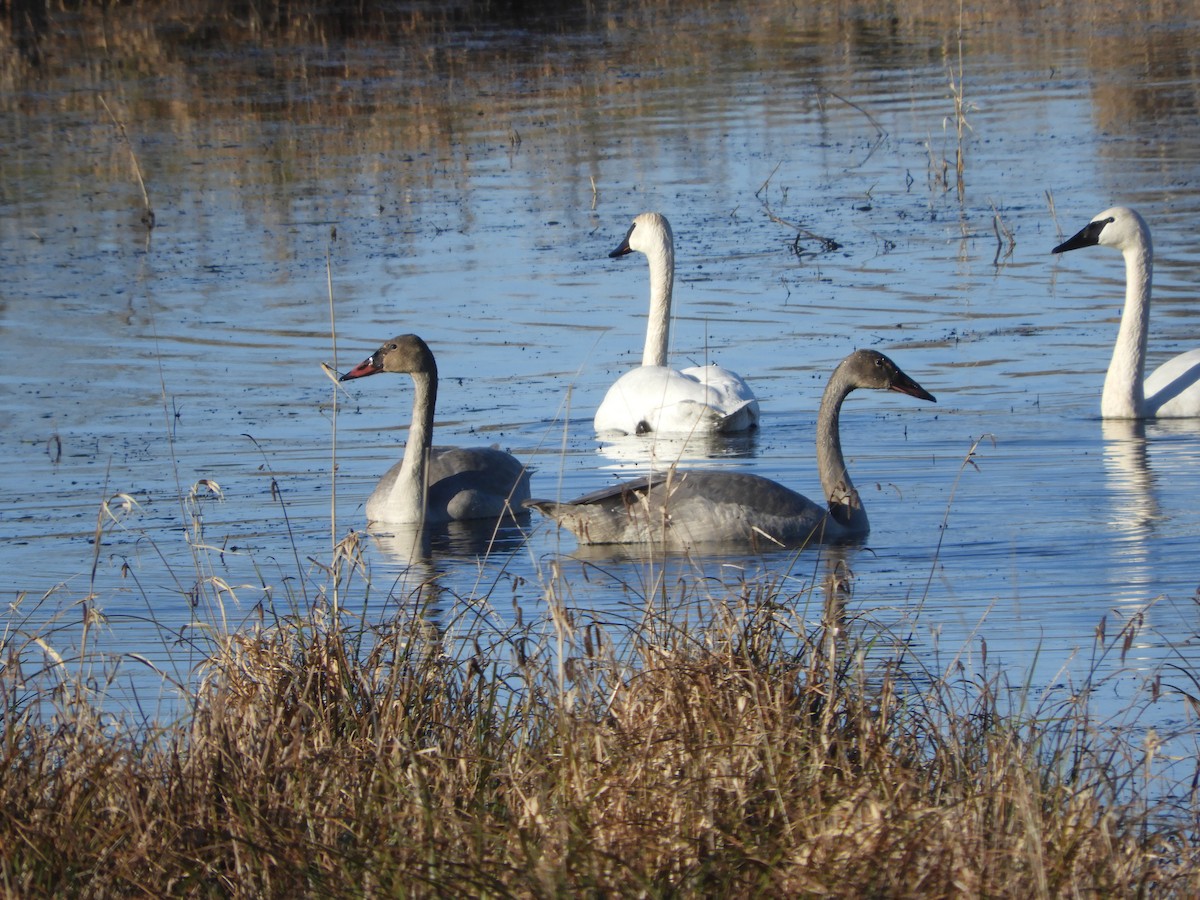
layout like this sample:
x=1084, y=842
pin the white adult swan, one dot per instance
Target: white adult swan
x=1173, y=390
x=655, y=397
x=680, y=509
x=437, y=485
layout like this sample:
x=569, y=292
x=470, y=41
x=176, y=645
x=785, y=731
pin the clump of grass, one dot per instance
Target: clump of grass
x=442, y=754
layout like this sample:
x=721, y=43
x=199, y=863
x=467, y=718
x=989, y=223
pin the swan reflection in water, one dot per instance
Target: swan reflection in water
x=1136, y=513
x=658, y=452
x=655, y=591
x=421, y=557
x=1127, y=470
x=466, y=539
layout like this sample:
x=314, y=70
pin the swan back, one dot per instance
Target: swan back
x=686, y=508
x=662, y=400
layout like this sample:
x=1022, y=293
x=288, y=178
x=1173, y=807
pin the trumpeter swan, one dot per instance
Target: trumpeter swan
x=1173, y=389
x=654, y=397
x=437, y=485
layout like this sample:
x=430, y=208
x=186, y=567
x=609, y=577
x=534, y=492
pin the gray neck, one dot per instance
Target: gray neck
x=410, y=489
x=845, y=506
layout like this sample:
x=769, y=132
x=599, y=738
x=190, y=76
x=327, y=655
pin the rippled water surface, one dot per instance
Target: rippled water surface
x=315, y=196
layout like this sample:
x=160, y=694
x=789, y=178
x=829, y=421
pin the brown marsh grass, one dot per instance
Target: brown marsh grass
x=766, y=746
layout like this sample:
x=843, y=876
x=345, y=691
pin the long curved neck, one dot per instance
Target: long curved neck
x=845, y=506
x=658, y=328
x=410, y=489
x=1124, y=392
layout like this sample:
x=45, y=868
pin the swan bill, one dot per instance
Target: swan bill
x=623, y=248
x=369, y=366
x=1088, y=236
x=905, y=385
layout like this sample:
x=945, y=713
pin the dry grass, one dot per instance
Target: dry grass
x=757, y=755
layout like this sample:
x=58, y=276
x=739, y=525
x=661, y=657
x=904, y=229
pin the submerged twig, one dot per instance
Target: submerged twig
x=147, y=211
x=1054, y=214
x=827, y=244
x=968, y=460
x=999, y=227
x=881, y=134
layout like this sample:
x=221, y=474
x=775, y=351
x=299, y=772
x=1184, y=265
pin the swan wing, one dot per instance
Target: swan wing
x=685, y=509
x=729, y=393
x=1173, y=389
x=475, y=483
x=464, y=483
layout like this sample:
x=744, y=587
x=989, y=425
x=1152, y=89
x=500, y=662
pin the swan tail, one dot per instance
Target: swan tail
x=743, y=417
x=586, y=523
x=548, y=508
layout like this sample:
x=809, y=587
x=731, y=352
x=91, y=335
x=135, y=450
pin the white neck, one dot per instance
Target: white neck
x=845, y=506
x=658, y=328
x=1123, y=395
x=409, y=490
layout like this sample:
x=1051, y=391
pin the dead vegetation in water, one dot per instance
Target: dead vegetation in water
x=447, y=56
x=758, y=755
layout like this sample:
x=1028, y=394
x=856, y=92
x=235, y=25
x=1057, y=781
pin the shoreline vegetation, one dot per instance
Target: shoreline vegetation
x=752, y=741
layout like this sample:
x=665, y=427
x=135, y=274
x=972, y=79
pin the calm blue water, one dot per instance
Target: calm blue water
x=477, y=207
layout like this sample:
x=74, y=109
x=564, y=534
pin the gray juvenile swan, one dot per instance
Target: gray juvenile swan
x=1173, y=390
x=437, y=485
x=654, y=397
x=680, y=509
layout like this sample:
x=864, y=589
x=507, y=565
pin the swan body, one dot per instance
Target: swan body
x=437, y=485
x=655, y=397
x=662, y=400
x=683, y=508
x=1173, y=389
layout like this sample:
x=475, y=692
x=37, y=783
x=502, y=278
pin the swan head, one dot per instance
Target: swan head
x=871, y=369
x=403, y=354
x=650, y=233
x=1119, y=227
